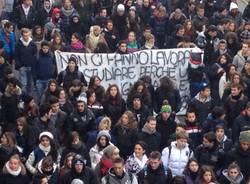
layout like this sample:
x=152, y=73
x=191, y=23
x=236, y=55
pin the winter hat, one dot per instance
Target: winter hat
x=78, y=159
x=244, y=136
x=202, y=86
x=27, y=99
x=120, y=8
x=82, y=98
x=166, y=108
x=103, y=133
x=233, y=6
x=47, y=134
x=56, y=10
x=245, y=35
x=77, y=181
x=132, y=8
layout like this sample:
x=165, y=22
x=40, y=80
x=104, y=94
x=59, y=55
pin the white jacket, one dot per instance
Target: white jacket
x=177, y=160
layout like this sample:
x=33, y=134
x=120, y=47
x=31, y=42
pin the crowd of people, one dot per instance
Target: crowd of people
x=59, y=128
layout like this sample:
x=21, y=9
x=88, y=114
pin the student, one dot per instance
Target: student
x=225, y=144
x=232, y=175
x=206, y=176
x=191, y=171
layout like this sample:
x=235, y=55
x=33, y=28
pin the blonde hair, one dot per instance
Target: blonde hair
x=104, y=121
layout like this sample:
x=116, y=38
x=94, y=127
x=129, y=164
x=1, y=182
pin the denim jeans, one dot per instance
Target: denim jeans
x=41, y=86
x=26, y=79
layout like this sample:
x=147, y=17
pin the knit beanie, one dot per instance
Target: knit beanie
x=233, y=6
x=244, y=136
x=103, y=133
x=166, y=108
x=47, y=134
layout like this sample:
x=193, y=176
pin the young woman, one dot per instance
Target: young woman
x=93, y=104
x=45, y=148
x=189, y=30
x=246, y=77
x=96, y=152
x=232, y=175
x=38, y=36
x=51, y=90
x=30, y=109
x=206, y=176
x=192, y=171
x=64, y=103
x=75, y=145
x=67, y=164
x=114, y=104
x=8, y=147
x=137, y=161
x=95, y=84
x=76, y=44
x=14, y=172
x=57, y=43
x=125, y=133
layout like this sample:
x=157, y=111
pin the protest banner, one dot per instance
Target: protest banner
x=124, y=70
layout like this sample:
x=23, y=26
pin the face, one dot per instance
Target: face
x=201, y=12
x=62, y=94
x=44, y=181
x=80, y=106
x=207, y=144
x=138, y=150
x=247, y=66
x=131, y=37
x=151, y=125
x=244, y=47
x=72, y=65
x=139, y=89
x=45, y=141
x=222, y=46
x=92, y=98
x=113, y=91
x=103, y=140
x=124, y=119
x=76, y=140
x=191, y=117
x=146, y=32
x=181, y=143
x=52, y=87
x=4, y=140
x=207, y=176
x=45, y=49
x=110, y=26
x=245, y=145
x=46, y=4
x=10, y=29
x=233, y=173
x=75, y=19
x=235, y=91
x=118, y=169
x=232, y=27
x=32, y=103
x=73, y=39
x=69, y=162
x=26, y=36
x=236, y=79
x=55, y=107
x=193, y=166
x=57, y=40
x=103, y=13
x=232, y=70
x=223, y=60
x=97, y=81
x=19, y=126
x=165, y=115
x=220, y=133
x=137, y=103
x=248, y=112
x=146, y=3
x=115, y=154
x=97, y=31
x=67, y=4
x=154, y=163
x=206, y=93
x=189, y=25
x=27, y=2
x=123, y=47
x=78, y=168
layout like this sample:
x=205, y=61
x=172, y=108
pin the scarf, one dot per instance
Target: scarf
x=46, y=150
x=145, y=129
x=26, y=44
x=105, y=165
x=62, y=101
x=14, y=173
x=67, y=12
x=141, y=162
x=78, y=45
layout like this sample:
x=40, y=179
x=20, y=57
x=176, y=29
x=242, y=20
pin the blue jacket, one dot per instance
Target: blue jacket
x=9, y=48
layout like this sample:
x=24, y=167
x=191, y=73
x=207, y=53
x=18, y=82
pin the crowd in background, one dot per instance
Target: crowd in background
x=61, y=128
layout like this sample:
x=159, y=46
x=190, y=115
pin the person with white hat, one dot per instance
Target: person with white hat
x=235, y=14
x=45, y=148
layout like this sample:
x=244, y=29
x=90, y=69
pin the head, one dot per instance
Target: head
x=8, y=27
x=200, y=10
x=15, y=163
x=47, y=165
x=45, y=139
x=45, y=111
x=54, y=104
x=52, y=85
x=113, y=91
x=94, y=81
x=111, y=152
x=127, y=119
x=118, y=166
x=244, y=140
x=67, y=4
x=235, y=89
x=209, y=140
x=180, y=127
x=68, y=160
x=247, y=109
x=166, y=83
x=236, y=78
x=233, y=170
x=96, y=30
x=131, y=36
x=72, y=64
x=120, y=9
x=205, y=92
x=139, y=149
x=218, y=113
x=75, y=37
x=155, y=160
x=193, y=165
x=191, y=116
x=8, y=139
x=74, y=138
x=207, y=174
x=137, y=103
x=27, y=2
x=103, y=139
x=109, y=25
x=122, y=46
x=57, y=38
x=166, y=111
x=151, y=123
x=21, y=124
x=105, y=124
x=91, y=96
x=219, y=132
x=25, y=33
x=181, y=139
x=78, y=164
x=45, y=47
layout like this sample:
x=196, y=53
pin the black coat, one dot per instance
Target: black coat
x=11, y=179
x=87, y=176
x=21, y=20
x=241, y=123
x=141, y=115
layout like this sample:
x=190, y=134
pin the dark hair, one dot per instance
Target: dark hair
x=13, y=81
x=44, y=109
x=8, y=24
x=122, y=42
x=166, y=83
x=155, y=155
x=72, y=135
x=228, y=68
x=37, y=179
x=77, y=36
x=147, y=27
x=182, y=125
x=47, y=162
x=92, y=81
x=109, y=99
x=45, y=43
x=205, y=169
x=179, y=180
x=189, y=162
x=210, y=136
x=118, y=160
x=8, y=70
x=217, y=112
x=150, y=118
x=89, y=93
x=53, y=100
x=142, y=144
x=11, y=139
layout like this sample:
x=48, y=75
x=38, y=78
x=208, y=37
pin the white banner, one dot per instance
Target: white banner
x=124, y=70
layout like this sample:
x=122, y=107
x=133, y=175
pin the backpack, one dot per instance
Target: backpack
x=130, y=178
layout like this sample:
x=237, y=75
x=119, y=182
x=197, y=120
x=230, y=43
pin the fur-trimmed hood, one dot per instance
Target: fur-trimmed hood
x=8, y=92
x=7, y=170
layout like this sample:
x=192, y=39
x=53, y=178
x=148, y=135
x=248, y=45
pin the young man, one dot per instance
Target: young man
x=110, y=35
x=150, y=135
x=176, y=156
x=79, y=173
x=117, y=174
x=122, y=47
x=202, y=103
x=225, y=144
x=242, y=56
x=154, y=172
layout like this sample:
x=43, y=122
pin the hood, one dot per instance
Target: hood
x=8, y=92
x=205, y=100
x=103, y=133
x=237, y=180
x=21, y=170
